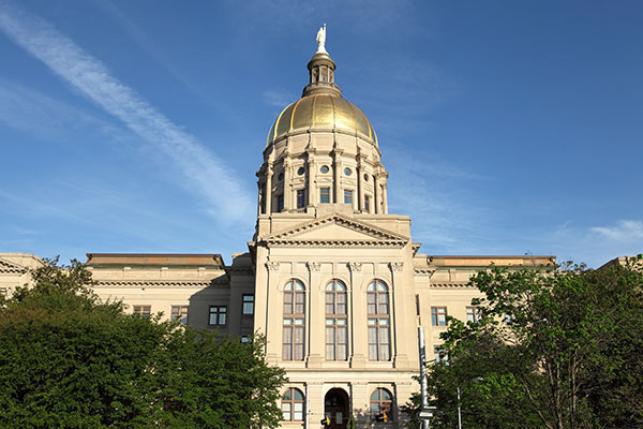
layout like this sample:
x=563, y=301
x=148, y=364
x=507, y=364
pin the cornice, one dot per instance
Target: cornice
x=11, y=268
x=377, y=233
x=334, y=243
x=452, y=285
x=157, y=283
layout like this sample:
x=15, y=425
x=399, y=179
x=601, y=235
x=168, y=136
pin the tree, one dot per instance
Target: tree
x=557, y=350
x=68, y=360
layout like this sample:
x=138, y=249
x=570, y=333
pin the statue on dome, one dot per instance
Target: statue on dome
x=321, y=40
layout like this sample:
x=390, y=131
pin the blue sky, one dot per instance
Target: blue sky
x=507, y=127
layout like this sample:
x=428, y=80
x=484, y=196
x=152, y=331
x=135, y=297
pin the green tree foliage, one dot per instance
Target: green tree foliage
x=556, y=350
x=68, y=360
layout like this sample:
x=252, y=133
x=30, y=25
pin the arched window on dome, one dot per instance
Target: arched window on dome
x=292, y=405
x=382, y=403
x=336, y=321
x=379, y=332
x=294, y=320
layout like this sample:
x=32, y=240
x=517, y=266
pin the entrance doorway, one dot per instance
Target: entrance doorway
x=336, y=407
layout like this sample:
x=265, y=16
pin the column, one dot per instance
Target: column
x=360, y=186
x=311, y=170
x=288, y=191
x=273, y=313
x=314, y=404
x=398, y=316
x=268, y=195
x=376, y=194
x=337, y=175
x=316, y=313
x=357, y=318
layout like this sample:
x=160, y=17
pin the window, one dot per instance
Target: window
x=382, y=403
x=324, y=169
x=245, y=339
x=180, y=313
x=294, y=320
x=473, y=314
x=439, y=355
x=280, y=202
x=378, y=321
x=324, y=195
x=248, y=305
x=348, y=196
x=143, y=311
x=336, y=322
x=367, y=203
x=292, y=405
x=301, y=198
x=301, y=171
x=348, y=171
x=218, y=315
x=439, y=316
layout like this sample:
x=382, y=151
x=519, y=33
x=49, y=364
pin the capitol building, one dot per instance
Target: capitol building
x=333, y=281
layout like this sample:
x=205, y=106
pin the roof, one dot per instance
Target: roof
x=209, y=260
x=486, y=260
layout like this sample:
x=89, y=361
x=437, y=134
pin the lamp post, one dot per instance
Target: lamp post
x=426, y=412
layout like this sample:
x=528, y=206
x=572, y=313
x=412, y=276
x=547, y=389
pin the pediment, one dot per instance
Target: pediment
x=336, y=230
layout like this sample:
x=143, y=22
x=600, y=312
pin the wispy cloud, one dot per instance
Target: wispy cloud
x=277, y=98
x=625, y=231
x=204, y=172
x=35, y=113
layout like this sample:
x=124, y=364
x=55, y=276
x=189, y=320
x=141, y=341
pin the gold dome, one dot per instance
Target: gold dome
x=317, y=112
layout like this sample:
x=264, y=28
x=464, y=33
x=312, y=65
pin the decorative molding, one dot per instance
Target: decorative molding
x=451, y=285
x=396, y=266
x=378, y=234
x=156, y=283
x=272, y=266
x=355, y=266
x=10, y=267
x=390, y=244
x=425, y=270
x=313, y=266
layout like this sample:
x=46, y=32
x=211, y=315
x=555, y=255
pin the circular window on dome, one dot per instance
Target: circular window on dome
x=301, y=171
x=365, y=177
x=348, y=171
x=324, y=169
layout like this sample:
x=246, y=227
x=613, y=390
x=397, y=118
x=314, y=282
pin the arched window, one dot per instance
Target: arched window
x=336, y=321
x=379, y=343
x=292, y=405
x=382, y=403
x=294, y=320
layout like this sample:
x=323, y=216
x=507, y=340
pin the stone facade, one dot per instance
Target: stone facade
x=333, y=281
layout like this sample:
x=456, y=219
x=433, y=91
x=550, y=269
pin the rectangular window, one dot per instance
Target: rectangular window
x=248, y=305
x=439, y=316
x=143, y=311
x=280, y=202
x=301, y=198
x=324, y=195
x=378, y=339
x=367, y=203
x=180, y=313
x=245, y=339
x=218, y=315
x=293, y=339
x=348, y=196
x=472, y=314
x=439, y=355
